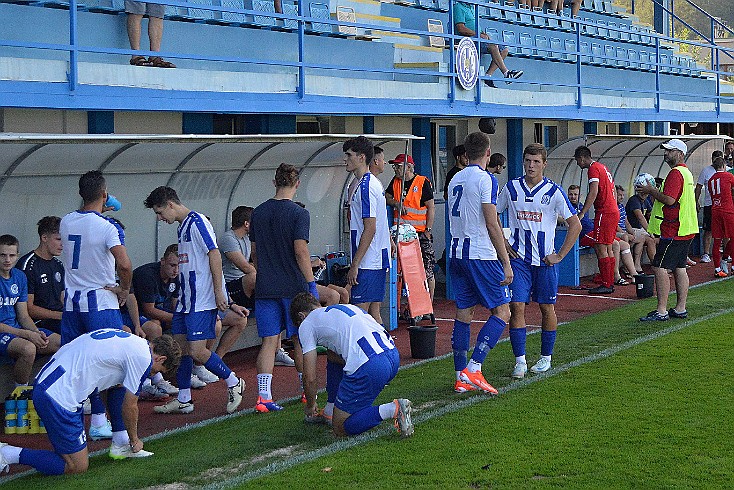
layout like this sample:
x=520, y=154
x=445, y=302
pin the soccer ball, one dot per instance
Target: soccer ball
x=406, y=234
x=644, y=179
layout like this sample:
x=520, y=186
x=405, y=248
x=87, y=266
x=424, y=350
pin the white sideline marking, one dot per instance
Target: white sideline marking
x=373, y=434
x=596, y=296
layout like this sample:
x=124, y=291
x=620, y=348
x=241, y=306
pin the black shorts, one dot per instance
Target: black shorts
x=671, y=254
x=706, y=218
x=237, y=294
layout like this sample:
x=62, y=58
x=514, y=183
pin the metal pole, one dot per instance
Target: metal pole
x=73, y=53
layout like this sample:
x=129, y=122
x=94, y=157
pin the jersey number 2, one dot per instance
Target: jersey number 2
x=458, y=190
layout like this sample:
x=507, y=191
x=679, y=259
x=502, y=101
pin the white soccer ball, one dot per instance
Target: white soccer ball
x=406, y=234
x=644, y=179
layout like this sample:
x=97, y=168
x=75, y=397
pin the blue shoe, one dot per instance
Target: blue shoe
x=101, y=432
x=265, y=406
x=654, y=316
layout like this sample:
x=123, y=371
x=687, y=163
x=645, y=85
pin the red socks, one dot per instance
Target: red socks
x=606, y=270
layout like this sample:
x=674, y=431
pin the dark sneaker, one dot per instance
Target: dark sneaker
x=674, y=314
x=654, y=316
x=489, y=83
x=601, y=290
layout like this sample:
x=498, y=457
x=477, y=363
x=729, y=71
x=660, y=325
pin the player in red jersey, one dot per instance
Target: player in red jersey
x=606, y=217
x=722, y=213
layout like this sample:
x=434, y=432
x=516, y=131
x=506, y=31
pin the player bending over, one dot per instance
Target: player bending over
x=362, y=359
x=102, y=359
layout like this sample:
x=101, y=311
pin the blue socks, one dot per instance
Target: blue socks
x=488, y=337
x=334, y=375
x=460, y=344
x=47, y=462
x=547, y=341
x=216, y=365
x=115, y=397
x=183, y=374
x=363, y=420
x=96, y=402
x=517, y=339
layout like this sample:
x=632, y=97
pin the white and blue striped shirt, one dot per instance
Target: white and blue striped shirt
x=369, y=202
x=88, y=262
x=468, y=191
x=195, y=239
x=533, y=216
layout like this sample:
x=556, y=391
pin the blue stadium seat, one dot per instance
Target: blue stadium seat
x=541, y=46
x=493, y=35
x=527, y=47
x=511, y=14
x=613, y=30
x=622, y=57
x=493, y=11
x=585, y=52
x=664, y=63
x=264, y=6
x=290, y=9
x=200, y=13
x=609, y=55
x=320, y=11
x=602, y=29
x=234, y=17
x=556, y=48
x=590, y=28
x=634, y=59
x=538, y=19
x=569, y=46
x=645, y=63
x=597, y=54
x=524, y=15
x=509, y=38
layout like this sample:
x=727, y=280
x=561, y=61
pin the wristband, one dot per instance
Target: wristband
x=312, y=289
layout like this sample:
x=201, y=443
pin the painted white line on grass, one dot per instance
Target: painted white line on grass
x=373, y=434
x=596, y=296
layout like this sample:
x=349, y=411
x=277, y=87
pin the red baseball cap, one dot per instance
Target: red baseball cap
x=402, y=158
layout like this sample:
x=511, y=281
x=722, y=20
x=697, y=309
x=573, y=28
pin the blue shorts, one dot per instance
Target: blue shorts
x=371, y=287
x=76, y=323
x=128, y=321
x=539, y=282
x=5, y=339
x=196, y=325
x=478, y=282
x=65, y=429
x=273, y=315
x=360, y=389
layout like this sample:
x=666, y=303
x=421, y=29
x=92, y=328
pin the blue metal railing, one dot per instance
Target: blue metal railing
x=579, y=28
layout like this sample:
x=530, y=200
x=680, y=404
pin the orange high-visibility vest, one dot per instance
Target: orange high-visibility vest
x=415, y=214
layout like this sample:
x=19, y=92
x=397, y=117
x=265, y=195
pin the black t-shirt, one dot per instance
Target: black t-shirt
x=274, y=226
x=450, y=175
x=45, y=280
x=426, y=192
x=148, y=287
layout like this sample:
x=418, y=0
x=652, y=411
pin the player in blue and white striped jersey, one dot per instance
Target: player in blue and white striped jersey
x=534, y=204
x=479, y=264
x=361, y=360
x=202, y=294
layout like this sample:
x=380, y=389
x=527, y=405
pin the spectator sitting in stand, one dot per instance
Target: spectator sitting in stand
x=45, y=275
x=466, y=25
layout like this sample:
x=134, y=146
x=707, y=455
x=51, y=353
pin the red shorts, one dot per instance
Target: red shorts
x=722, y=225
x=605, y=229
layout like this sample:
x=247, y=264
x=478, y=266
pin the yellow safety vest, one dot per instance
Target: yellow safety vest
x=415, y=214
x=687, y=213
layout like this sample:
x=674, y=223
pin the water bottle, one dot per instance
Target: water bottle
x=113, y=202
x=33, y=419
x=11, y=417
x=21, y=405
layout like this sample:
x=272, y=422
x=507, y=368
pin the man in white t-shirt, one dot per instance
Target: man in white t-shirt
x=479, y=265
x=105, y=359
x=202, y=294
x=368, y=229
x=93, y=254
x=362, y=359
x=701, y=184
x=535, y=204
